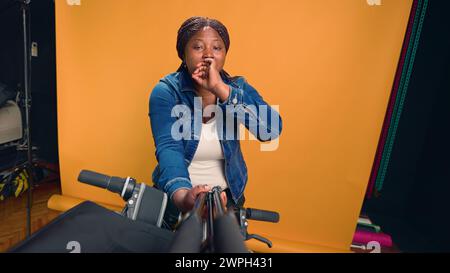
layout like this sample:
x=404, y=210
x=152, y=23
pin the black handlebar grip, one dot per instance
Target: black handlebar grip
x=111, y=183
x=262, y=215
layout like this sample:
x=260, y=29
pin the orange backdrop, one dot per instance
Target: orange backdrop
x=329, y=65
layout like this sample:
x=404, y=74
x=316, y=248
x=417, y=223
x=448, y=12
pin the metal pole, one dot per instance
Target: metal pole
x=26, y=56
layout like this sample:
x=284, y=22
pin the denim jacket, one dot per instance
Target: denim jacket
x=174, y=156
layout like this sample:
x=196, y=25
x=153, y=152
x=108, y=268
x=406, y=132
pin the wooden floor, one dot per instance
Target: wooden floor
x=13, y=214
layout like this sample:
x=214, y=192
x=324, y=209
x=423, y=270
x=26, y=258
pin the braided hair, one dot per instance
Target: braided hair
x=190, y=27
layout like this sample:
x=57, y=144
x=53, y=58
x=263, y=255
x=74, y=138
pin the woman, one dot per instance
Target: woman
x=203, y=159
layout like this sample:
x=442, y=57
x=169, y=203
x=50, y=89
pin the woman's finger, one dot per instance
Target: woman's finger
x=201, y=71
x=209, y=60
x=202, y=188
x=196, y=73
x=197, y=78
x=223, y=195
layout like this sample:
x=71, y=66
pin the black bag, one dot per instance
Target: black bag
x=90, y=228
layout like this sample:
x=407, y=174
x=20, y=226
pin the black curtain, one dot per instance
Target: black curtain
x=415, y=201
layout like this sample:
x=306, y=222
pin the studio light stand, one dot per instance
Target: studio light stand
x=24, y=6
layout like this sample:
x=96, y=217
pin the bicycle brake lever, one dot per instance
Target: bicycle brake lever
x=259, y=238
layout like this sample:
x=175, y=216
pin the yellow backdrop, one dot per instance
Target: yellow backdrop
x=328, y=64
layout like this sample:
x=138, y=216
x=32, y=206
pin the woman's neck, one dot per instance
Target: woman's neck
x=208, y=98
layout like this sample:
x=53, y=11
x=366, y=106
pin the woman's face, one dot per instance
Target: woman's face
x=206, y=43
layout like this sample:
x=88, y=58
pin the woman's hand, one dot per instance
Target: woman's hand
x=185, y=199
x=207, y=76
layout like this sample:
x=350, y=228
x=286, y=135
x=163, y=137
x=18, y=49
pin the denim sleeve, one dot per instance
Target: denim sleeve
x=173, y=173
x=250, y=109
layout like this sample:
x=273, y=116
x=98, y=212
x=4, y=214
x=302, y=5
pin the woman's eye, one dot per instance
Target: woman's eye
x=197, y=47
x=217, y=48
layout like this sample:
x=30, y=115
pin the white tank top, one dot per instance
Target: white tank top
x=207, y=166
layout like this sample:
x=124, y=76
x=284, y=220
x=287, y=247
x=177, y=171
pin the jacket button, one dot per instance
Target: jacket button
x=234, y=101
